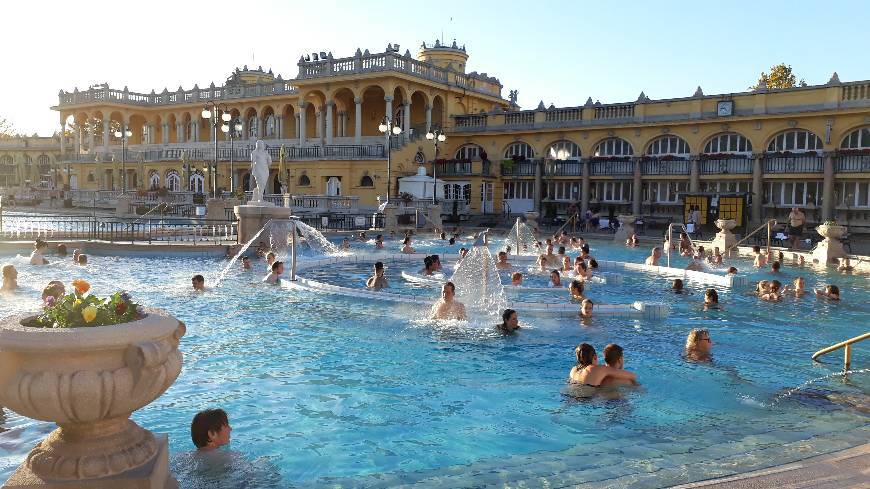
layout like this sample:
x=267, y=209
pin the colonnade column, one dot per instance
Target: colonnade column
x=301, y=125
x=179, y=132
x=279, y=127
x=585, y=186
x=77, y=140
x=318, y=120
x=406, y=124
x=388, y=110
x=694, y=174
x=428, y=118
x=261, y=126
x=342, y=124
x=62, y=139
x=164, y=133
x=538, y=184
x=330, y=105
x=757, y=190
x=90, y=129
x=194, y=128
x=357, y=119
x=828, y=188
x=637, y=190
x=106, y=123
x=296, y=132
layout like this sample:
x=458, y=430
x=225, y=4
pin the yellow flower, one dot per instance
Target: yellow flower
x=81, y=286
x=89, y=313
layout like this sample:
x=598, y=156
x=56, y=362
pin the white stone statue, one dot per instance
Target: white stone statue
x=260, y=164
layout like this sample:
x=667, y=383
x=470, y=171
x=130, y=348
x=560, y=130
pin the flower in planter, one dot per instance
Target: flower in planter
x=120, y=308
x=89, y=313
x=49, y=301
x=81, y=286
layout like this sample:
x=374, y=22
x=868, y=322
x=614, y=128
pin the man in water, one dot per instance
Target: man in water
x=503, y=261
x=274, y=276
x=436, y=263
x=653, y=258
x=210, y=429
x=428, y=267
x=760, y=258
x=377, y=281
x=614, y=358
x=246, y=262
x=446, y=307
x=198, y=282
x=586, y=308
x=796, y=221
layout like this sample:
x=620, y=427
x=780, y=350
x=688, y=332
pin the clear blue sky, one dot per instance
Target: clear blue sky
x=556, y=51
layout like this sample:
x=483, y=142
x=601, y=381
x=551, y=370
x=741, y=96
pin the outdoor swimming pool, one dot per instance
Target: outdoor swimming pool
x=324, y=390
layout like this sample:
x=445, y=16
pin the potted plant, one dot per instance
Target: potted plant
x=86, y=363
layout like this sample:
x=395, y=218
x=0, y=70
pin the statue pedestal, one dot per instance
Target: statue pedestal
x=253, y=216
x=532, y=222
x=724, y=239
x=434, y=216
x=215, y=209
x=626, y=227
x=391, y=222
x=830, y=250
x=153, y=475
x=122, y=207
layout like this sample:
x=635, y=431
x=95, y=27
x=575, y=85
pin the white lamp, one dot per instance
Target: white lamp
x=225, y=128
x=442, y=138
x=206, y=114
x=383, y=127
x=430, y=136
x=397, y=130
x=226, y=117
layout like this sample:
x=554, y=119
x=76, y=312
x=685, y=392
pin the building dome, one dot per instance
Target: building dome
x=442, y=55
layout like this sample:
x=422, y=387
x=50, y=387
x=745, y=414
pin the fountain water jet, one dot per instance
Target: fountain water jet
x=521, y=239
x=478, y=284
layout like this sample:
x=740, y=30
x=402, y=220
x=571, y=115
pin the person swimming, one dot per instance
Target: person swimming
x=575, y=290
x=699, y=345
x=588, y=372
x=586, y=308
x=377, y=281
x=555, y=279
x=566, y=264
x=516, y=279
x=772, y=292
x=509, y=322
x=379, y=242
x=10, y=278
x=270, y=259
x=502, y=263
x=775, y=266
x=830, y=292
x=406, y=245
x=274, y=276
x=198, y=283
x=37, y=256
x=447, y=307
x=653, y=258
x=677, y=286
x=732, y=271
x=711, y=299
x=428, y=266
x=716, y=257
x=760, y=259
x=542, y=263
x=614, y=358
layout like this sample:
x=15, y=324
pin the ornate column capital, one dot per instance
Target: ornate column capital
x=357, y=100
x=388, y=98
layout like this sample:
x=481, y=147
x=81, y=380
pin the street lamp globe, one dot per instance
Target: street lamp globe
x=128, y=133
x=430, y=136
x=206, y=114
x=397, y=130
x=226, y=116
x=383, y=127
x=225, y=128
x=117, y=134
x=238, y=127
x=442, y=138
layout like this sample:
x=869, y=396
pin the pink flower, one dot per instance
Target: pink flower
x=49, y=301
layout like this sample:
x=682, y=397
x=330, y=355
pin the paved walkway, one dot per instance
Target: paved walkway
x=844, y=469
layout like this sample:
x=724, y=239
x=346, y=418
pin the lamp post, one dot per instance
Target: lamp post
x=231, y=129
x=124, y=133
x=219, y=116
x=389, y=128
x=436, y=137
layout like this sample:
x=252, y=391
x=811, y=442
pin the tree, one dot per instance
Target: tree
x=780, y=76
x=7, y=130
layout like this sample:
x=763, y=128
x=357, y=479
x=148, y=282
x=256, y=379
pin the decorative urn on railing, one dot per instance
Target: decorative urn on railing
x=724, y=239
x=831, y=230
x=88, y=379
x=830, y=249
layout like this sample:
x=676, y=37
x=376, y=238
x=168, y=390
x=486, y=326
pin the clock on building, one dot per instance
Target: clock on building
x=725, y=108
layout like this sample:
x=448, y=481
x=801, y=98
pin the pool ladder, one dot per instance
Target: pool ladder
x=847, y=350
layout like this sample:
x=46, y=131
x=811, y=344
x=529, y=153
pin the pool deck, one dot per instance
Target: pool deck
x=848, y=468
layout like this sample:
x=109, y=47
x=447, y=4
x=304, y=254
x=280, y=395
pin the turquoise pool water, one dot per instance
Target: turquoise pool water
x=333, y=391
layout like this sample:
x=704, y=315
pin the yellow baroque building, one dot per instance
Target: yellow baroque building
x=807, y=146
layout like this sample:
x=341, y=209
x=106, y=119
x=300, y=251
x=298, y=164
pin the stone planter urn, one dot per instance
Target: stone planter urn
x=724, y=239
x=89, y=381
x=626, y=227
x=532, y=220
x=830, y=250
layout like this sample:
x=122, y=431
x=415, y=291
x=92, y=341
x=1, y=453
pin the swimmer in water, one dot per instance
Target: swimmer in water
x=653, y=258
x=270, y=259
x=462, y=253
x=274, y=276
x=379, y=242
x=697, y=263
x=773, y=292
x=566, y=264
x=37, y=257
x=830, y=292
x=428, y=267
x=732, y=271
x=509, y=322
x=760, y=258
x=503, y=261
x=516, y=279
x=406, y=248
x=575, y=289
x=580, y=269
x=246, y=263
x=593, y=265
x=377, y=281
x=555, y=279
x=586, y=308
x=711, y=299
x=447, y=307
x=716, y=257
x=699, y=345
x=10, y=278
x=774, y=267
x=631, y=241
x=588, y=372
x=198, y=283
x=613, y=358
x=677, y=286
x=542, y=263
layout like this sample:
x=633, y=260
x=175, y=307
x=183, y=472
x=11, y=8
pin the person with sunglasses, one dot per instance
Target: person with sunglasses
x=699, y=346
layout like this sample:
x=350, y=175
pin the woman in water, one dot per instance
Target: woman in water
x=406, y=248
x=379, y=242
x=37, y=257
x=509, y=322
x=10, y=278
x=586, y=308
x=699, y=345
x=677, y=286
x=588, y=372
x=711, y=299
x=542, y=263
x=830, y=292
x=566, y=264
x=555, y=279
x=575, y=289
x=580, y=269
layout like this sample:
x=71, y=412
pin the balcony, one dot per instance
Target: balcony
x=104, y=94
x=665, y=167
x=205, y=152
x=726, y=165
x=809, y=163
x=518, y=168
x=852, y=163
x=563, y=168
x=609, y=167
x=460, y=168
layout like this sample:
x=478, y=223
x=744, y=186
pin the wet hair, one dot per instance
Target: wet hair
x=83, y=259
x=39, y=243
x=756, y=249
x=612, y=354
x=435, y=259
x=561, y=250
x=246, y=257
x=700, y=250
x=556, y=272
x=61, y=249
x=198, y=278
x=780, y=257
x=775, y=285
x=582, y=265
x=585, y=354
x=712, y=295
x=677, y=284
x=54, y=288
x=695, y=336
x=428, y=262
x=585, y=248
x=576, y=285
x=775, y=266
x=833, y=289
x=516, y=275
x=505, y=316
x=462, y=250
x=407, y=240
x=380, y=236
x=452, y=287
x=205, y=421
x=379, y=265
x=502, y=253
x=732, y=269
x=593, y=263
x=276, y=265
x=587, y=301
x=7, y=270
x=270, y=255
x=442, y=235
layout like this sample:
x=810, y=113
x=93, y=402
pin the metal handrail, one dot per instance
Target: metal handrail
x=671, y=235
x=759, y=228
x=847, y=350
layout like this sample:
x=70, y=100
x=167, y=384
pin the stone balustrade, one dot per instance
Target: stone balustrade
x=104, y=93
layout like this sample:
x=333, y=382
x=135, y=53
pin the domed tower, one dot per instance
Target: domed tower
x=246, y=76
x=442, y=55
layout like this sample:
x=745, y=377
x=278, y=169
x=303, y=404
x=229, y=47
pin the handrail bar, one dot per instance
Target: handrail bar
x=671, y=234
x=847, y=350
x=759, y=228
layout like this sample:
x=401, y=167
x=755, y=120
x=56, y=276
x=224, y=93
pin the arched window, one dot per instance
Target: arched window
x=252, y=127
x=43, y=160
x=729, y=142
x=304, y=181
x=173, y=181
x=6, y=160
x=154, y=180
x=795, y=140
x=91, y=177
x=614, y=147
x=519, y=149
x=857, y=139
x=366, y=181
x=668, y=145
x=28, y=160
x=270, y=126
x=563, y=148
x=197, y=182
x=468, y=152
